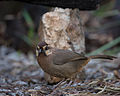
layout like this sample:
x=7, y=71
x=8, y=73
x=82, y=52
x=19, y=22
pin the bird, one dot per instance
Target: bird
x=63, y=63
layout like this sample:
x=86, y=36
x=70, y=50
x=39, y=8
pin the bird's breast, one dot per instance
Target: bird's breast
x=45, y=63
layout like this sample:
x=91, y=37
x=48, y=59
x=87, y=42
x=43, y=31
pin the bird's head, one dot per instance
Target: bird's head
x=42, y=48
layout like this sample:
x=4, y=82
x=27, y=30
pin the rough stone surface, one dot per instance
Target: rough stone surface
x=62, y=28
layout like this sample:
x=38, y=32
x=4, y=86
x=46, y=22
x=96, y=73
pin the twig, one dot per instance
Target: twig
x=112, y=89
x=102, y=90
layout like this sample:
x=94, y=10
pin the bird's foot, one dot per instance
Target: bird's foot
x=62, y=82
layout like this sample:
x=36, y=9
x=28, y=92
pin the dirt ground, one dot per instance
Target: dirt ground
x=20, y=75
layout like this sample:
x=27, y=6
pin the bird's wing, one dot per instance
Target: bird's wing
x=64, y=56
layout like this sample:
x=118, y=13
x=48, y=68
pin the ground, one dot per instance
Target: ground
x=20, y=75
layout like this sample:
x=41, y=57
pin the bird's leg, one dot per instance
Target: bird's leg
x=70, y=83
x=62, y=82
x=55, y=87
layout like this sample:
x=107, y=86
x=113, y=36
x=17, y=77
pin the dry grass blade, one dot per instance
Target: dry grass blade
x=110, y=89
x=105, y=47
x=102, y=90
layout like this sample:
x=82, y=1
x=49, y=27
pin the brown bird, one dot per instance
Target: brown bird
x=62, y=63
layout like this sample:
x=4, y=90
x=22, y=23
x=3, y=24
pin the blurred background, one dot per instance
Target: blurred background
x=19, y=24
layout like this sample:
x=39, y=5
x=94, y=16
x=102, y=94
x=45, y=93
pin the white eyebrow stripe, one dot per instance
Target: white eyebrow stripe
x=38, y=47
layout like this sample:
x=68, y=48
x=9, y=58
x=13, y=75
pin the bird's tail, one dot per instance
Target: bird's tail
x=102, y=57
